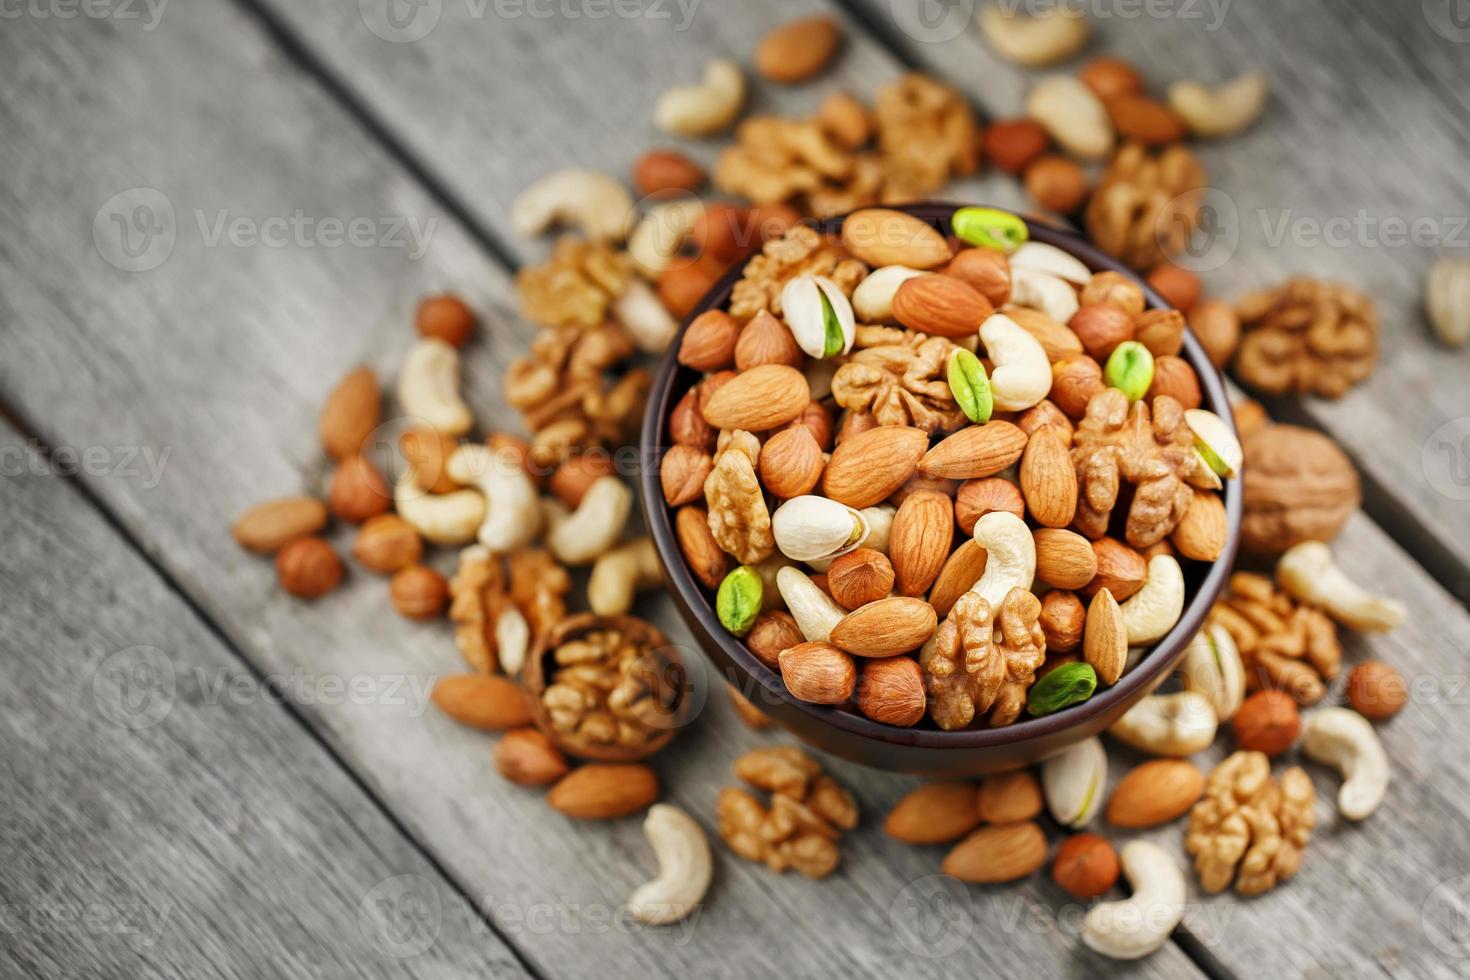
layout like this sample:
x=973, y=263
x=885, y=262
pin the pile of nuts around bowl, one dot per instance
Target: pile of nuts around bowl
x=895, y=439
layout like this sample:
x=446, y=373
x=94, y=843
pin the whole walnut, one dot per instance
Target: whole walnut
x=1299, y=486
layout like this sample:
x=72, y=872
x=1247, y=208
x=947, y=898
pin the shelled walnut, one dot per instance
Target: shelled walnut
x=1249, y=826
x=482, y=594
x=809, y=811
x=1147, y=204
x=899, y=377
x=609, y=688
x=575, y=286
x=982, y=662
x=1309, y=336
x=802, y=251
x=1283, y=645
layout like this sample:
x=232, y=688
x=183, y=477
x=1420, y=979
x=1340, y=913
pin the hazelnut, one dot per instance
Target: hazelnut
x=1063, y=618
x=891, y=691
x=709, y=342
x=1045, y=412
x=791, y=462
x=1174, y=377
x=1216, y=326
x=1376, y=691
x=724, y=233
x=1014, y=143
x=854, y=424
x=1056, y=183
x=1267, y=721
x=773, y=632
x=976, y=498
x=1180, y=288
x=1120, y=569
x=1101, y=327
x=683, y=284
x=860, y=577
x=1115, y=289
x=1161, y=331
x=570, y=480
x=387, y=543
x=817, y=419
x=358, y=491
x=666, y=170
x=1086, y=866
x=682, y=474
x=1111, y=77
x=445, y=318
x=426, y=450
x=1074, y=380
x=987, y=271
x=418, y=592
x=308, y=568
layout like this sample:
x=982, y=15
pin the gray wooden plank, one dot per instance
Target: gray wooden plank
x=164, y=815
x=219, y=357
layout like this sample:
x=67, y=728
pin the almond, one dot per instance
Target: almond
x=1014, y=143
x=986, y=271
x=1045, y=412
x=817, y=419
x=975, y=451
x=265, y=527
x=880, y=236
x=528, y=758
x=707, y=560
x=1120, y=569
x=1010, y=797
x=818, y=673
x=940, y=306
x=976, y=498
x=1085, y=866
x=1064, y=559
x=1057, y=340
x=960, y=573
x=791, y=462
x=919, y=541
x=308, y=568
x=358, y=491
x=1139, y=118
x=797, y=51
x=682, y=474
x=1048, y=478
x=1155, y=792
x=860, y=577
x=484, y=701
x=764, y=397
x=1111, y=77
x=350, y=414
x=868, y=467
x=1105, y=641
x=603, y=791
x=766, y=340
x=891, y=691
x=709, y=342
x=1202, y=533
x=1002, y=852
x=666, y=170
x=886, y=627
x=935, y=813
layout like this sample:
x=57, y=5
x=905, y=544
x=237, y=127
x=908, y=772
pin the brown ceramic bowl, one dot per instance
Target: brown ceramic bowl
x=923, y=749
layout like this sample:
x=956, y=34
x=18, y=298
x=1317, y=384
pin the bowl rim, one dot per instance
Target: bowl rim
x=694, y=601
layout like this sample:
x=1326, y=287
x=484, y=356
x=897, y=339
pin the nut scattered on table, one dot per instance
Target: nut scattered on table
x=807, y=816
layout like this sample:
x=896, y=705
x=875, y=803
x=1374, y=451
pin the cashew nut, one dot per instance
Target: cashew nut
x=657, y=238
x=1073, y=116
x=620, y=574
x=580, y=537
x=645, y=318
x=880, y=526
x=1308, y=572
x=1222, y=111
x=1035, y=42
x=513, y=516
x=444, y=518
x=1447, y=300
x=1042, y=257
x=704, y=109
x=1010, y=556
x=1072, y=782
x=819, y=376
x=873, y=298
x=1021, y=376
x=1211, y=667
x=1045, y=292
x=428, y=387
x=814, y=611
x=1168, y=724
x=684, y=867
x=1344, y=739
x=1138, y=925
x=512, y=640
x=1152, y=611
x=592, y=202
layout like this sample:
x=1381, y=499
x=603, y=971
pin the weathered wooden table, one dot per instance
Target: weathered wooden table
x=204, y=777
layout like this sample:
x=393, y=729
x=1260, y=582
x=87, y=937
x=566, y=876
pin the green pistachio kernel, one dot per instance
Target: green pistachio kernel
x=738, y=602
x=834, y=340
x=970, y=386
x=990, y=228
x=1130, y=369
x=1069, y=684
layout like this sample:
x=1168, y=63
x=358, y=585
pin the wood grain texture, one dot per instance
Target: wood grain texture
x=220, y=356
x=164, y=815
